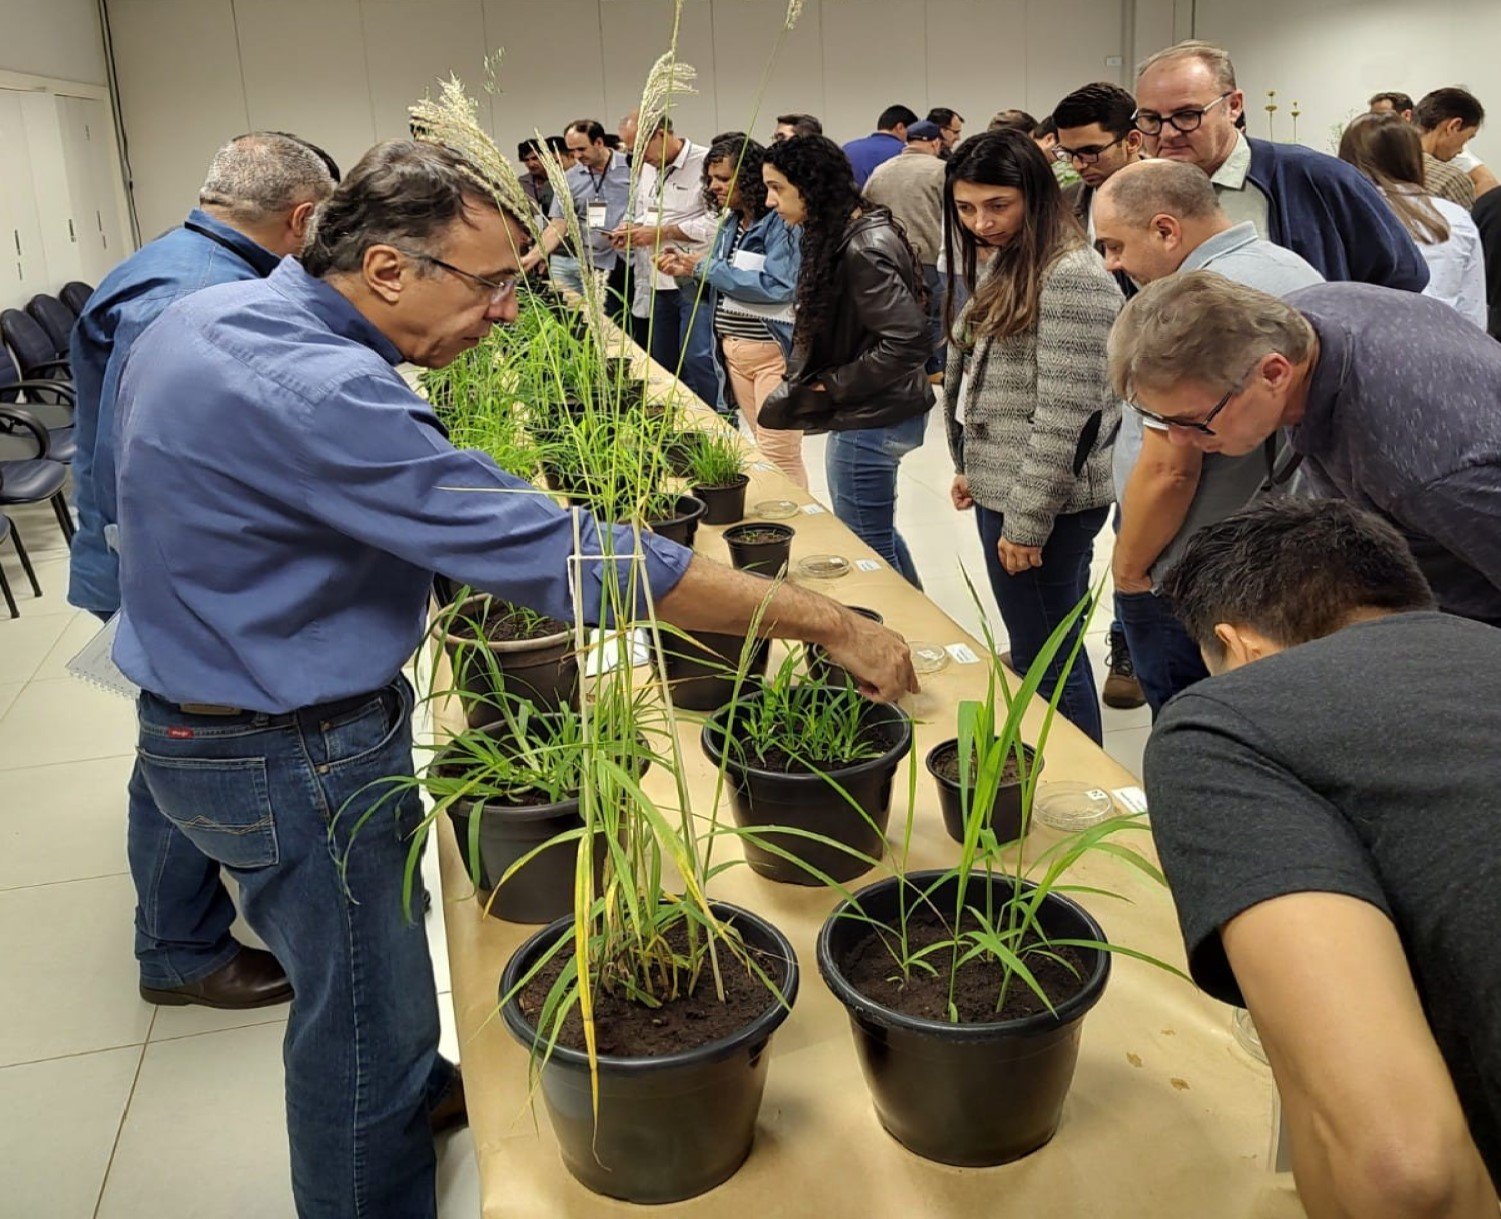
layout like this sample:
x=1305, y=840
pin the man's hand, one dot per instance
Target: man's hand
x=677, y=264
x=1129, y=582
x=1017, y=559
x=877, y=658
x=532, y=259
x=637, y=236
x=959, y=493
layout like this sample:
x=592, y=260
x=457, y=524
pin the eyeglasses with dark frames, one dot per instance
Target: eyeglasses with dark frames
x=1200, y=425
x=1149, y=122
x=1090, y=154
x=498, y=289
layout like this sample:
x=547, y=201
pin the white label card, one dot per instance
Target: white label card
x=1132, y=799
x=867, y=565
x=595, y=216
x=963, y=653
x=812, y=509
x=763, y=465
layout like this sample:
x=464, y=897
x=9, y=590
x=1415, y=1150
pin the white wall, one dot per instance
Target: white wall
x=56, y=38
x=342, y=72
x=1331, y=55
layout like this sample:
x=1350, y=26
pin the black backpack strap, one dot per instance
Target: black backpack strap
x=1277, y=475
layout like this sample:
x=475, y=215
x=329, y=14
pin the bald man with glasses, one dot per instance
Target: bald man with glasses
x=1188, y=105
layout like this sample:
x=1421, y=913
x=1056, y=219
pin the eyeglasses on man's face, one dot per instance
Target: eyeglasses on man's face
x=1090, y=154
x=1189, y=425
x=498, y=289
x=1149, y=122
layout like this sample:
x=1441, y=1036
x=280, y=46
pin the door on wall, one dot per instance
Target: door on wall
x=87, y=138
x=23, y=265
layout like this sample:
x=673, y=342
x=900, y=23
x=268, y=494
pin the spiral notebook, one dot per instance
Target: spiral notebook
x=95, y=664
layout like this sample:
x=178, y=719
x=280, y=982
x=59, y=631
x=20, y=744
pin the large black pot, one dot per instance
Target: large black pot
x=542, y=671
x=765, y=798
x=966, y=1094
x=669, y=1127
x=724, y=505
x=701, y=670
x=542, y=889
x=682, y=526
x=1005, y=816
x=766, y=557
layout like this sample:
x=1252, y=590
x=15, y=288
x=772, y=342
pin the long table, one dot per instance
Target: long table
x=1167, y=1115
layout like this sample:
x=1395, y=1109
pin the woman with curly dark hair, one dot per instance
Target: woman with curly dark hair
x=1027, y=397
x=860, y=342
x=750, y=278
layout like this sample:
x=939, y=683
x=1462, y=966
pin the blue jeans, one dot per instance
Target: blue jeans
x=275, y=799
x=861, y=466
x=1034, y=603
x=183, y=911
x=1167, y=659
x=682, y=341
x=566, y=272
x=933, y=281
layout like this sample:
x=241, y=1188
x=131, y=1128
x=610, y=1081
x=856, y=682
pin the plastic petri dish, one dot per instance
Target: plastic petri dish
x=772, y=510
x=929, y=657
x=1072, y=806
x=1246, y=1035
x=823, y=566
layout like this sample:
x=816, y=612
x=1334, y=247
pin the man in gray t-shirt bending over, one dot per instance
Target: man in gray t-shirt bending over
x=1325, y=811
x=1392, y=399
x=1154, y=219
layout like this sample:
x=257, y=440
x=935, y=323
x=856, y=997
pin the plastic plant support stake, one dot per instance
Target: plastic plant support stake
x=824, y=566
x=773, y=510
x=963, y=653
x=1071, y=806
x=929, y=657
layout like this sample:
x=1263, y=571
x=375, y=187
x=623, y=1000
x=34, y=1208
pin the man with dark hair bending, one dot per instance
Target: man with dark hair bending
x=1325, y=809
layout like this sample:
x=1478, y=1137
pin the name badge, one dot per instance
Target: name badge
x=595, y=217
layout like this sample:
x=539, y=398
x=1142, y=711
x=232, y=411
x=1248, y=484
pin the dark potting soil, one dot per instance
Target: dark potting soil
x=633, y=1030
x=756, y=536
x=782, y=762
x=872, y=971
x=946, y=766
x=503, y=625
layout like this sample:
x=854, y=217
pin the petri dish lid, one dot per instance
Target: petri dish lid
x=773, y=510
x=1068, y=805
x=824, y=566
x=929, y=657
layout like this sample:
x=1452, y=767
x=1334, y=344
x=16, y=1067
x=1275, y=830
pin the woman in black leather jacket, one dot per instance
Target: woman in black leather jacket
x=860, y=341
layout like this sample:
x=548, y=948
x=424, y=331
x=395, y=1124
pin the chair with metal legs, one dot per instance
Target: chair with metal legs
x=35, y=479
x=8, y=529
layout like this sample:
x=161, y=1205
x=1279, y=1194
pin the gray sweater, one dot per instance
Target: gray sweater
x=1029, y=397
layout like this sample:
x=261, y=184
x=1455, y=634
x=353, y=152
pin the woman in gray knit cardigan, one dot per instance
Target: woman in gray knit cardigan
x=1028, y=399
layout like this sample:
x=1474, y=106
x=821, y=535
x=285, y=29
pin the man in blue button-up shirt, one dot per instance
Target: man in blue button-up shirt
x=284, y=501
x=256, y=201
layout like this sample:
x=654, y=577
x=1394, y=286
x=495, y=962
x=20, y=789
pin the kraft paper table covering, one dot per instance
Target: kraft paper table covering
x=1167, y=1116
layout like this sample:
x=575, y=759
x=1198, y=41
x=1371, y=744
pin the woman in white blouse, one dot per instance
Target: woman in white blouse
x=1388, y=151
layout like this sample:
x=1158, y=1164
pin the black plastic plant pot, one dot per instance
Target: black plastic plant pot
x=1005, y=816
x=542, y=671
x=701, y=672
x=767, y=800
x=822, y=669
x=760, y=546
x=967, y=1094
x=669, y=1127
x=682, y=526
x=542, y=889
x=724, y=505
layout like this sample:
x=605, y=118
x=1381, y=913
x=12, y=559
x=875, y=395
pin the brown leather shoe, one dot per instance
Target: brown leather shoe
x=450, y=1113
x=252, y=979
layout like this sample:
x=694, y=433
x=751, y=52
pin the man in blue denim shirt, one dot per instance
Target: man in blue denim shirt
x=279, y=535
x=256, y=201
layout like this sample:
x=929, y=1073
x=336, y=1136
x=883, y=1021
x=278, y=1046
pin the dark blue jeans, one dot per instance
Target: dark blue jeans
x=1167, y=659
x=933, y=280
x=861, y=467
x=682, y=341
x=1034, y=603
x=183, y=911
x=275, y=800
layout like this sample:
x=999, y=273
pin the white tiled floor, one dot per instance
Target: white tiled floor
x=114, y=1108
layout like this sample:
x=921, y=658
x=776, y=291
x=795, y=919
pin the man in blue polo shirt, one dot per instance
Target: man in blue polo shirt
x=254, y=207
x=888, y=140
x=280, y=525
x=599, y=183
